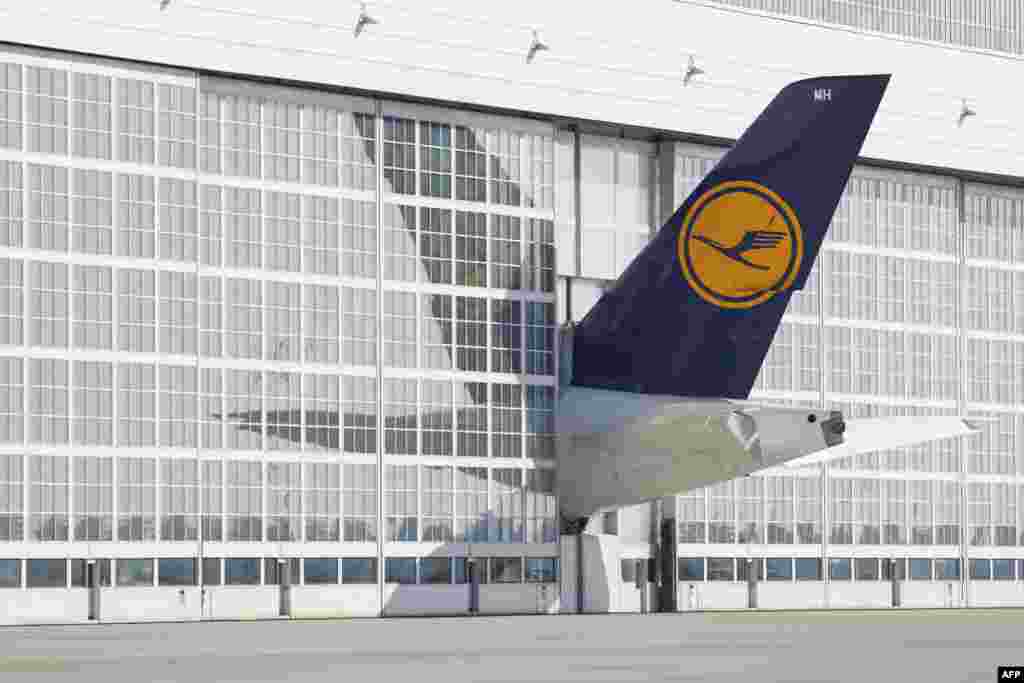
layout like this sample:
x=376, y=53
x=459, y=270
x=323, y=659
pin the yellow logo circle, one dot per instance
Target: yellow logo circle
x=740, y=244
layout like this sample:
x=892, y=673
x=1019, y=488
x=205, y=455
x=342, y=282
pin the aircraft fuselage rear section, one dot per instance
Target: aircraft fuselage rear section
x=620, y=448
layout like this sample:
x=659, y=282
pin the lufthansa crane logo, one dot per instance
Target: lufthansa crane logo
x=740, y=245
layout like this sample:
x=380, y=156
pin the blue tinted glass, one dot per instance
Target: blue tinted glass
x=9, y=575
x=440, y=135
x=459, y=570
x=981, y=569
x=177, y=572
x=407, y=530
x=321, y=570
x=838, y=569
x=809, y=568
x=538, y=423
x=359, y=570
x=241, y=571
x=921, y=569
x=541, y=398
x=400, y=570
x=1002, y=569
x=8, y=569
x=691, y=569
x=47, y=573
x=947, y=569
x=540, y=569
x=778, y=568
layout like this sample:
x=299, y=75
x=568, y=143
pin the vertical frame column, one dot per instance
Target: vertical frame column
x=200, y=494
x=379, y=163
x=963, y=444
x=823, y=385
x=578, y=198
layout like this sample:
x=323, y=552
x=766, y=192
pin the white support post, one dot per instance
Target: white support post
x=378, y=160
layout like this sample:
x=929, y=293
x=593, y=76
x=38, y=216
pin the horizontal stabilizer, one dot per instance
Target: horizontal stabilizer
x=621, y=448
x=884, y=433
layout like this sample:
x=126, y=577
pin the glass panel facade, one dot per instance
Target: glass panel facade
x=242, y=316
x=875, y=333
x=617, y=183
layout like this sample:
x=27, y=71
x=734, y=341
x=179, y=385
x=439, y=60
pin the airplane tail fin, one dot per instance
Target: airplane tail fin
x=695, y=312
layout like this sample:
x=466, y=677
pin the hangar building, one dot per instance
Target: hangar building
x=281, y=283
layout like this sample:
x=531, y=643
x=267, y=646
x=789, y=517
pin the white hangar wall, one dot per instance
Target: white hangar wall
x=607, y=62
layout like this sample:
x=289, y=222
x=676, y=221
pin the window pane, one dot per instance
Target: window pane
x=48, y=498
x=894, y=567
x=947, y=570
x=177, y=572
x=47, y=573
x=838, y=570
x=211, y=571
x=10, y=573
x=135, y=572
x=628, y=565
x=80, y=572
x=721, y=569
x=462, y=567
x=400, y=508
x=273, y=569
x=359, y=570
x=12, y=494
x=241, y=572
x=1002, y=569
x=743, y=569
x=320, y=570
x=506, y=569
x=541, y=569
x=400, y=570
x=981, y=569
x=93, y=499
x=177, y=126
x=691, y=569
x=920, y=569
x=435, y=570
x=866, y=569
x=779, y=568
x=359, y=498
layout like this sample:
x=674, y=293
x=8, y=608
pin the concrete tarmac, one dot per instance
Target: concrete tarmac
x=884, y=646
